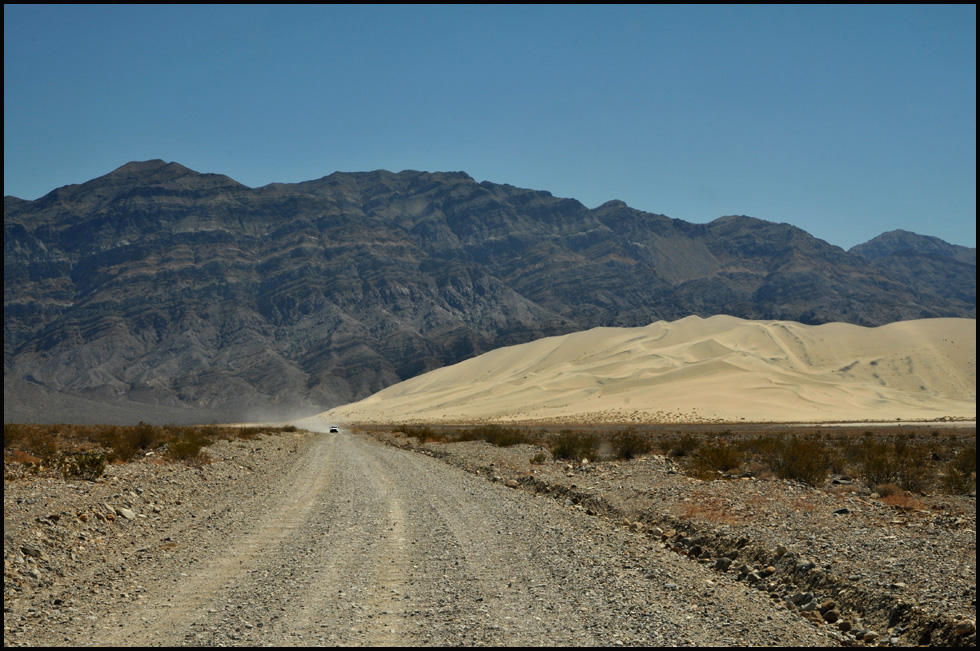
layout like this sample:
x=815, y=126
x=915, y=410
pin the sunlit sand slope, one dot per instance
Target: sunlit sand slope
x=716, y=369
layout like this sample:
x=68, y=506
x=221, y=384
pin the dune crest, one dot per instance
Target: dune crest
x=721, y=368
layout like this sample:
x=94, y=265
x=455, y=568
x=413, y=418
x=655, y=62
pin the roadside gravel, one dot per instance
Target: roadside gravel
x=302, y=539
x=836, y=556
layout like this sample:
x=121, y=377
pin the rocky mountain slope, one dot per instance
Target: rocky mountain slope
x=159, y=293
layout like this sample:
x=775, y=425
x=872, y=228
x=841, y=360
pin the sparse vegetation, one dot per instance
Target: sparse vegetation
x=83, y=451
x=575, y=446
x=189, y=444
x=12, y=433
x=630, y=444
x=716, y=457
x=498, y=435
x=893, y=462
x=423, y=434
x=84, y=465
x=803, y=459
x=539, y=458
x=29, y=440
x=127, y=443
x=494, y=434
x=679, y=446
x=960, y=472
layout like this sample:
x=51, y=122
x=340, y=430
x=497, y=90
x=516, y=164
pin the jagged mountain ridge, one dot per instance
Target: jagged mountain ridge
x=158, y=290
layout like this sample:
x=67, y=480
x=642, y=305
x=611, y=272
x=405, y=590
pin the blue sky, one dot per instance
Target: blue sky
x=844, y=121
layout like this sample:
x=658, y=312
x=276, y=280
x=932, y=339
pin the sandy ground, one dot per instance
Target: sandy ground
x=719, y=369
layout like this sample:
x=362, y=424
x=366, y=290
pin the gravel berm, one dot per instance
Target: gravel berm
x=338, y=539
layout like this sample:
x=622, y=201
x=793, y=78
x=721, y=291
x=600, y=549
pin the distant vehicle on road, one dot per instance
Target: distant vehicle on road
x=334, y=429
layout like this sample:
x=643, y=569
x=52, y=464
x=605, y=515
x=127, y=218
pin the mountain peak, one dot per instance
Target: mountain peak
x=613, y=204
x=140, y=167
x=901, y=242
x=154, y=168
x=160, y=172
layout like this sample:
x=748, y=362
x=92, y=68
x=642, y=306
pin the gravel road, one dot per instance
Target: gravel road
x=337, y=539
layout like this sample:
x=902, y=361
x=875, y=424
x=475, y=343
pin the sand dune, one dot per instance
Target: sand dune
x=701, y=370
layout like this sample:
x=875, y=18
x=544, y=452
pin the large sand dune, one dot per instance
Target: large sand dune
x=698, y=370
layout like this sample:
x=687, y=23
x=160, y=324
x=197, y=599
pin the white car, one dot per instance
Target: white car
x=334, y=429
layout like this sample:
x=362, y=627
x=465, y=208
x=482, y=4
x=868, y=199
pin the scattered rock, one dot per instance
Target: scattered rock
x=965, y=627
x=126, y=513
x=31, y=551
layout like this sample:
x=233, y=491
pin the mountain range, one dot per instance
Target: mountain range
x=162, y=294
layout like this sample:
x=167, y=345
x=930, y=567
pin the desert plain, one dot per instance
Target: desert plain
x=387, y=534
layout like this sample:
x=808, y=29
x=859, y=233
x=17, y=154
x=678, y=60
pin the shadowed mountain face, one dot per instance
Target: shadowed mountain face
x=929, y=267
x=159, y=293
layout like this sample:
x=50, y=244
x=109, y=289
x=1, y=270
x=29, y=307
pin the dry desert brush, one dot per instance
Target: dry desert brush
x=630, y=444
x=83, y=451
x=575, y=446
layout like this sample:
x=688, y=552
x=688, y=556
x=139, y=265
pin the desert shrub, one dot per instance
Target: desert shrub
x=887, y=490
x=188, y=447
x=765, y=447
x=878, y=464
x=12, y=433
x=494, y=434
x=912, y=474
x=423, y=433
x=716, y=457
x=850, y=450
x=574, y=445
x=801, y=459
x=105, y=436
x=210, y=432
x=126, y=443
x=902, y=500
x=910, y=456
x=122, y=447
x=679, y=446
x=84, y=465
x=836, y=461
x=539, y=458
x=900, y=462
x=40, y=441
x=249, y=433
x=629, y=444
x=960, y=472
x=145, y=436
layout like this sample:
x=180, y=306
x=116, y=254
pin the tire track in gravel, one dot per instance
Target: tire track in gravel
x=363, y=544
x=301, y=489
x=363, y=550
x=502, y=587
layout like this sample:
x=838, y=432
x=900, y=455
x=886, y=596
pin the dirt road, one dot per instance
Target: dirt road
x=354, y=543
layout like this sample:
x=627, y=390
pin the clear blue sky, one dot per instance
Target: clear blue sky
x=844, y=121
